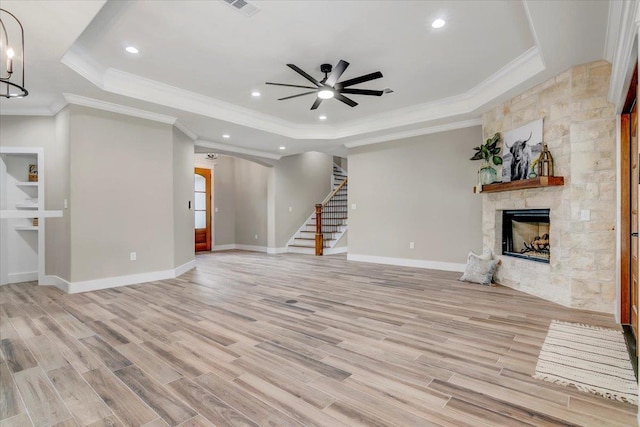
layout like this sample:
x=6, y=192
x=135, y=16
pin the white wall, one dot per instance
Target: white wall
x=416, y=190
x=38, y=131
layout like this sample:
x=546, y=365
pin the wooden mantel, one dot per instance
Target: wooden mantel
x=523, y=184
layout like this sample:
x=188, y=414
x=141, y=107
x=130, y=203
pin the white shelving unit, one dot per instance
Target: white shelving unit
x=22, y=256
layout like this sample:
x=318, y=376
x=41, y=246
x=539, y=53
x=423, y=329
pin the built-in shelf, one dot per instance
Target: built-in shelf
x=7, y=214
x=27, y=184
x=26, y=206
x=523, y=184
x=30, y=228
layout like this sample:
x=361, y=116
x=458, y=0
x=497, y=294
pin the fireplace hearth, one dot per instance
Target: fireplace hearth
x=525, y=234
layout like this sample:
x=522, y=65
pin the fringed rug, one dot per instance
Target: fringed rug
x=594, y=360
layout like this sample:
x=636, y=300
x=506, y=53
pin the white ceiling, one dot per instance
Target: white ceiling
x=199, y=62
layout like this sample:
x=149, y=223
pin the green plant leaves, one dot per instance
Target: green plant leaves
x=489, y=151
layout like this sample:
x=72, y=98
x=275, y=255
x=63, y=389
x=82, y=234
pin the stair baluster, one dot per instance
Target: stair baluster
x=328, y=217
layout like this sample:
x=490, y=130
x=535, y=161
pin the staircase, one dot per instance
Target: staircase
x=334, y=220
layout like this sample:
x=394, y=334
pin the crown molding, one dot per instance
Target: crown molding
x=182, y=128
x=42, y=111
x=532, y=28
x=622, y=30
x=238, y=150
x=514, y=73
x=131, y=85
x=117, y=108
x=415, y=132
x=119, y=82
x=83, y=64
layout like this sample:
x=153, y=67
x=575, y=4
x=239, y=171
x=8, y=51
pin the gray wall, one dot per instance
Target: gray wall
x=416, y=190
x=183, y=217
x=224, y=200
x=58, y=230
x=250, y=181
x=121, y=195
x=300, y=182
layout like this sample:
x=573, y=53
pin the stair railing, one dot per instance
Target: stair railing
x=328, y=217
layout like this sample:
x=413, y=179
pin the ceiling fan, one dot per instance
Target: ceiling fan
x=329, y=87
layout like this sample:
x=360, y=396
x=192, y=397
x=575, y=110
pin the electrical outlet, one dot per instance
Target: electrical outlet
x=585, y=215
x=411, y=245
x=66, y=204
x=255, y=236
x=132, y=256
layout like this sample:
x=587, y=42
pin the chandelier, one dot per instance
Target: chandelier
x=11, y=57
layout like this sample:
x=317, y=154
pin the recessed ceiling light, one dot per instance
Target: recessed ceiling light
x=282, y=148
x=255, y=93
x=226, y=135
x=132, y=49
x=438, y=23
x=323, y=117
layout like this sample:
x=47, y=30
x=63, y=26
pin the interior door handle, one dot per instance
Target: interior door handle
x=634, y=234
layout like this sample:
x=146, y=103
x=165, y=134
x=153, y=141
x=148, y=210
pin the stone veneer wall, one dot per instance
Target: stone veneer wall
x=579, y=128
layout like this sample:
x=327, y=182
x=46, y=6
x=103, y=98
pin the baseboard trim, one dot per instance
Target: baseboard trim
x=334, y=251
x=56, y=281
x=180, y=270
x=223, y=248
x=407, y=262
x=30, y=276
x=116, y=282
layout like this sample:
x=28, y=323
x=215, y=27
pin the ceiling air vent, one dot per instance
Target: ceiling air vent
x=243, y=6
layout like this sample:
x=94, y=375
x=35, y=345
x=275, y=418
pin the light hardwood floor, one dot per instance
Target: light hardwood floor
x=363, y=345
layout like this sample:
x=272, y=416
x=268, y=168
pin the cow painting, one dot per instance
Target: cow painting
x=520, y=160
x=522, y=146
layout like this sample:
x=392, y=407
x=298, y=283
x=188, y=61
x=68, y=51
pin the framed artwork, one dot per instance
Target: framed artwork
x=521, y=147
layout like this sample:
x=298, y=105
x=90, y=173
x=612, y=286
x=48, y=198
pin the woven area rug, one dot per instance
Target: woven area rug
x=594, y=360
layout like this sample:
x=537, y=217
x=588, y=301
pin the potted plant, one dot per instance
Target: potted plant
x=489, y=152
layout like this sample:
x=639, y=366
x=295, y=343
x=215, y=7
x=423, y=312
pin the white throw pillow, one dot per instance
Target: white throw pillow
x=479, y=270
x=485, y=256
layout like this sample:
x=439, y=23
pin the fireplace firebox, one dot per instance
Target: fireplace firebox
x=525, y=234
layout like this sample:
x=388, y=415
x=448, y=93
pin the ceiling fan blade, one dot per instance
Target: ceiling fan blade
x=358, y=80
x=288, y=85
x=303, y=74
x=336, y=73
x=362, y=92
x=316, y=104
x=295, y=96
x=349, y=102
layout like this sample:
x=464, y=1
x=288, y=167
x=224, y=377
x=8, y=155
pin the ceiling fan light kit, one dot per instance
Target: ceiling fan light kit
x=329, y=87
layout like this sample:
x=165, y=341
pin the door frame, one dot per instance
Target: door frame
x=206, y=173
x=625, y=196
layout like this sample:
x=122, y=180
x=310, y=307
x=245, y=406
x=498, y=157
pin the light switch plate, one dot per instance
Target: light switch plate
x=353, y=206
x=585, y=215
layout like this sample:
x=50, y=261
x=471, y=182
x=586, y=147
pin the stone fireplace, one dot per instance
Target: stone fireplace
x=579, y=129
